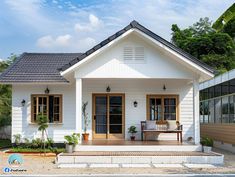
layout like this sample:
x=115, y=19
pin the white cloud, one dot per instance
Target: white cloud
x=63, y=40
x=45, y=41
x=94, y=24
x=29, y=13
x=50, y=42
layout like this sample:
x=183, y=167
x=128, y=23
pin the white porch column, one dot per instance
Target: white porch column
x=196, y=111
x=79, y=106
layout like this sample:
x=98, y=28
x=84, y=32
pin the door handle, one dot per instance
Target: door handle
x=94, y=117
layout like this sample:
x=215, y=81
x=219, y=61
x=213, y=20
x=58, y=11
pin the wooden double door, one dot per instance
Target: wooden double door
x=108, y=116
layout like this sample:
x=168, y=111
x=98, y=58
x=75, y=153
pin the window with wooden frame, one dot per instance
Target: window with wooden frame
x=48, y=105
x=162, y=107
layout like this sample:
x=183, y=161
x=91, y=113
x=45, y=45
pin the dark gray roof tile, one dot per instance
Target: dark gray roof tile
x=38, y=67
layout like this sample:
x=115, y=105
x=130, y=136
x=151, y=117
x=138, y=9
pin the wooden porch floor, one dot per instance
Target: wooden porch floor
x=134, y=143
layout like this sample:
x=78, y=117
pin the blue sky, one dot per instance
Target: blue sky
x=77, y=25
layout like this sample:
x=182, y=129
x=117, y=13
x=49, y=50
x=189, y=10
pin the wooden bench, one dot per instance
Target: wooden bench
x=178, y=131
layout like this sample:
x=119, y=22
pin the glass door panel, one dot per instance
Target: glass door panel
x=115, y=114
x=108, y=116
x=100, y=114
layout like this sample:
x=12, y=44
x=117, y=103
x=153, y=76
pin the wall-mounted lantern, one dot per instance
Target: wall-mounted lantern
x=47, y=91
x=108, y=89
x=23, y=103
x=135, y=103
x=164, y=87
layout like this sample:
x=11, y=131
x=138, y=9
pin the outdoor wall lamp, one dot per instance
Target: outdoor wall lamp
x=108, y=89
x=135, y=103
x=164, y=87
x=23, y=102
x=47, y=91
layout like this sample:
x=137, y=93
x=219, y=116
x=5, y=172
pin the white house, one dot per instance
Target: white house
x=132, y=76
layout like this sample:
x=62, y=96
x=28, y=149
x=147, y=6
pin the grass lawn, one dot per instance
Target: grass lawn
x=5, y=143
x=22, y=149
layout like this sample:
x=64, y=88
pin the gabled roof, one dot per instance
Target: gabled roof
x=135, y=25
x=37, y=67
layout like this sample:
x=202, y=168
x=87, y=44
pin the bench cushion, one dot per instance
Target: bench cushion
x=150, y=125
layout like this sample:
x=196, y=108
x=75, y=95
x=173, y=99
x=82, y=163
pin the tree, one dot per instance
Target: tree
x=5, y=94
x=224, y=18
x=202, y=27
x=217, y=49
x=42, y=122
x=229, y=28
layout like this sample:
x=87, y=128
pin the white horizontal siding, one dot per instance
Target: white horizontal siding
x=21, y=116
x=156, y=64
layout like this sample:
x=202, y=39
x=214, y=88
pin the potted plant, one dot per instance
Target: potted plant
x=207, y=144
x=132, y=131
x=85, y=135
x=71, y=142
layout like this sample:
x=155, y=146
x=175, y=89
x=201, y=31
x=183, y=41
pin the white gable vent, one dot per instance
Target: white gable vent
x=131, y=53
x=139, y=53
x=128, y=53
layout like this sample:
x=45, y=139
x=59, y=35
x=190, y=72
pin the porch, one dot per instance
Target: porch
x=127, y=102
x=135, y=146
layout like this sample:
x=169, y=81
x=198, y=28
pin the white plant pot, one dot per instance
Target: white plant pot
x=207, y=149
x=69, y=148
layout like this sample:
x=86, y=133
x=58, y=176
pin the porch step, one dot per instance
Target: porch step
x=135, y=157
x=131, y=148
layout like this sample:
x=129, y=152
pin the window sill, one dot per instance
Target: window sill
x=31, y=123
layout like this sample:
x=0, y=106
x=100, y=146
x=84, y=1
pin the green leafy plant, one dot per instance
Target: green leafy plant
x=17, y=139
x=132, y=130
x=72, y=139
x=85, y=116
x=36, y=143
x=27, y=143
x=49, y=142
x=76, y=138
x=69, y=139
x=206, y=141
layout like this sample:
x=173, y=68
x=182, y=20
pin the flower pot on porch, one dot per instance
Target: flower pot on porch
x=132, y=138
x=85, y=136
x=69, y=148
x=207, y=149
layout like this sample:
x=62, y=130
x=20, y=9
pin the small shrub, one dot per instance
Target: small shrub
x=49, y=142
x=27, y=143
x=17, y=139
x=37, y=143
x=206, y=141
